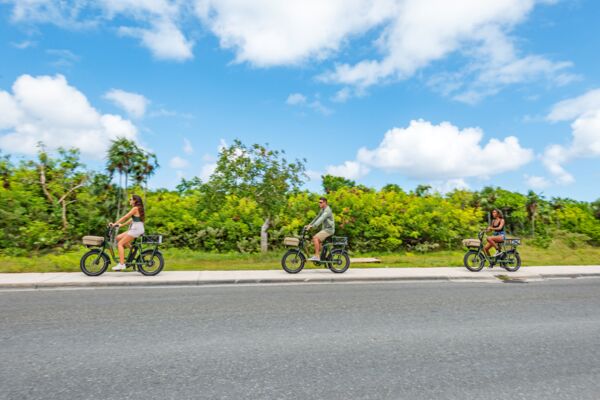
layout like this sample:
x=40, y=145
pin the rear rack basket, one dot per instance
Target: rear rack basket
x=152, y=239
x=339, y=240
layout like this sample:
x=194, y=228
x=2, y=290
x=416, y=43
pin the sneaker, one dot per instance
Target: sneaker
x=119, y=267
x=314, y=258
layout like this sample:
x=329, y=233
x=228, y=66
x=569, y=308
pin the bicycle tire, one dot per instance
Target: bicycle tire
x=102, y=261
x=473, y=261
x=149, y=259
x=517, y=264
x=344, y=261
x=295, y=264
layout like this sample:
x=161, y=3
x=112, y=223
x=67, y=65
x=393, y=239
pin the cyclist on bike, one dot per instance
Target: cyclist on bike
x=498, y=236
x=324, y=218
x=135, y=218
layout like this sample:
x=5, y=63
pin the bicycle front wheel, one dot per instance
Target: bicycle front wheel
x=293, y=261
x=94, y=262
x=340, y=261
x=152, y=262
x=473, y=261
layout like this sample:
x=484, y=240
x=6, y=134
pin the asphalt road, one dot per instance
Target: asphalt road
x=538, y=340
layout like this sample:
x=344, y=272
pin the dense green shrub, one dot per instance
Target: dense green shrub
x=389, y=220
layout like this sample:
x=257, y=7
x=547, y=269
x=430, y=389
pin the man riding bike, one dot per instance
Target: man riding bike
x=324, y=218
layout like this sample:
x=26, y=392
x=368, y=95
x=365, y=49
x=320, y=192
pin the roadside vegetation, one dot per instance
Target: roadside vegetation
x=238, y=219
x=560, y=253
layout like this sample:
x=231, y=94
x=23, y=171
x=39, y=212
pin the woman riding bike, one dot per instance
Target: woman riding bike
x=498, y=235
x=135, y=218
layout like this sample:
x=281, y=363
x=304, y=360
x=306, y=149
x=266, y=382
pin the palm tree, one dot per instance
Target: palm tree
x=145, y=166
x=532, y=204
x=5, y=171
x=121, y=157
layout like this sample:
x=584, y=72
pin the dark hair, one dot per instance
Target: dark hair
x=499, y=213
x=137, y=202
x=323, y=198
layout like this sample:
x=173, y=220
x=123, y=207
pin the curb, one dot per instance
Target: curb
x=229, y=282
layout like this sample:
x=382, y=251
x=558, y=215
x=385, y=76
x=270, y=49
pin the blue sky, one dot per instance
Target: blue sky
x=470, y=94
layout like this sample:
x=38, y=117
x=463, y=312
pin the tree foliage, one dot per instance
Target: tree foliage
x=258, y=173
x=252, y=185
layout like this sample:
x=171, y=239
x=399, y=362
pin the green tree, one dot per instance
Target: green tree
x=596, y=208
x=61, y=179
x=258, y=173
x=423, y=190
x=187, y=186
x=392, y=187
x=332, y=183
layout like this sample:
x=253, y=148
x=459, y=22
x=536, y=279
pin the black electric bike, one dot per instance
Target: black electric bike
x=507, y=257
x=333, y=254
x=147, y=260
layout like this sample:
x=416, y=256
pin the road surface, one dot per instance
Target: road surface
x=448, y=340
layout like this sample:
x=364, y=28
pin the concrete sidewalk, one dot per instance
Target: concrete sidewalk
x=195, y=278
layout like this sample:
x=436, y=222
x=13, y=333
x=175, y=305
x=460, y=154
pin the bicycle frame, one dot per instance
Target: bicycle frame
x=134, y=258
x=489, y=258
x=328, y=247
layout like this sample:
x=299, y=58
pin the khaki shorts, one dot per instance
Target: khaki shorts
x=322, y=235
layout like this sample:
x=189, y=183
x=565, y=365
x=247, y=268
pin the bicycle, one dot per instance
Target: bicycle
x=96, y=261
x=507, y=257
x=333, y=254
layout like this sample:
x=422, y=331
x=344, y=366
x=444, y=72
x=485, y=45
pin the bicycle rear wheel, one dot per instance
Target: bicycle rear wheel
x=340, y=261
x=152, y=262
x=512, y=262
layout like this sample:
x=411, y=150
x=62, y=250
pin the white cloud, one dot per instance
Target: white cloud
x=300, y=100
x=416, y=37
x=10, y=113
x=25, y=44
x=210, y=161
x=571, y=109
x=61, y=13
x=63, y=58
x=187, y=146
x=495, y=64
x=178, y=163
x=342, y=95
x=537, y=182
x=162, y=35
x=272, y=32
x=265, y=33
x=48, y=109
x=133, y=103
x=313, y=176
x=444, y=152
x=449, y=185
x=295, y=99
x=585, y=140
x=349, y=170
x=317, y=106
x=207, y=170
x=160, y=20
x=164, y=39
